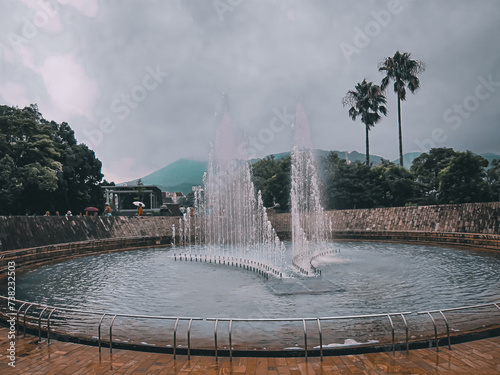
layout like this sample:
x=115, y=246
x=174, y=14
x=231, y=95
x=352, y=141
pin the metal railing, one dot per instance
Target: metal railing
x=442, y=314
x=176, y=319
x=102, y=315
x=44, y=308
x=47, y=312
x=304, y=320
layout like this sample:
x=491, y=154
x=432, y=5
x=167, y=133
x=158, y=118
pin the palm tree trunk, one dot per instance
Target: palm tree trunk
x=367, y=147
x=400, y=133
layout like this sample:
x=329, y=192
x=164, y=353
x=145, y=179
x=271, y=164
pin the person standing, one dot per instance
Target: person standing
x=140, y=210
x=107, y=210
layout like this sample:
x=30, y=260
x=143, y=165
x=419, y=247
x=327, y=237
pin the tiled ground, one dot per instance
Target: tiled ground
x=476, y=357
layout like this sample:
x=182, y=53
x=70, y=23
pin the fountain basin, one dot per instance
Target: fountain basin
x=362, y=278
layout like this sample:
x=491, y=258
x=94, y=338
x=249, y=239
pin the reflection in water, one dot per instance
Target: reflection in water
x=363, y=278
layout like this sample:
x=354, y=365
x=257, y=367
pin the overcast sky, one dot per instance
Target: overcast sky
x=140, y=81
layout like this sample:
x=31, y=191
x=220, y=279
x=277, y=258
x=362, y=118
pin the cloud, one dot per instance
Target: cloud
x=264, y=54
x=70, y=90
x=13, y=92
x=90, y=8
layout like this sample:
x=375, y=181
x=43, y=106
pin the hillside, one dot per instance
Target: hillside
x=183, y=174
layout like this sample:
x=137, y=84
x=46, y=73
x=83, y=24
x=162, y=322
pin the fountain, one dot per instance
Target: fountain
x=229, y=223
x=309, y=229
x=229, y=226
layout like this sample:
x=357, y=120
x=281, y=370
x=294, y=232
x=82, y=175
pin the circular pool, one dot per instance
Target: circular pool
x=361, y=278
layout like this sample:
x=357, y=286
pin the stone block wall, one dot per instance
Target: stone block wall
x=20, y=232
x=463, y=218
x=33, y=241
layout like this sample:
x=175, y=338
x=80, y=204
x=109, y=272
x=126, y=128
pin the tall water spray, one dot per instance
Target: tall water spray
x=229, y=223
x=309, y=228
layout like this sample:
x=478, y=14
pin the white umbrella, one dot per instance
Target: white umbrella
x=137, y=203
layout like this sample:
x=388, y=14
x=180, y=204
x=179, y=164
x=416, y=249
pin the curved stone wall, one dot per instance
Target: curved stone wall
x=20, y=232
x=462, y=218
x=29, y=240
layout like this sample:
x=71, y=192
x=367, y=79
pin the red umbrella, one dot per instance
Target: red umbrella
x=91, y=209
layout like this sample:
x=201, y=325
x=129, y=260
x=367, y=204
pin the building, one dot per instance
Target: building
x=121, y=198
x=172, y=197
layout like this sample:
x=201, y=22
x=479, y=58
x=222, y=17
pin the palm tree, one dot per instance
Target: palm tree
x=368, y=101
x=403, y=71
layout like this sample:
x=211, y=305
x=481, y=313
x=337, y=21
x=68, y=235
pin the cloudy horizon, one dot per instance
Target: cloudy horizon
x=139, y=83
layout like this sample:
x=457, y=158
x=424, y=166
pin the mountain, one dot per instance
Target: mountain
x=408, y=159
x=490, y=157
x=183, y=174
x=318, y=154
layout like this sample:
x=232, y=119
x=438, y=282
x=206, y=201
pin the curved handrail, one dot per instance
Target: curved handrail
x=38, y=315
x=40, y=325
x=442, y=311
x=304, y=320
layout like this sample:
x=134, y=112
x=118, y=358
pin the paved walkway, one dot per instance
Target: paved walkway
x=476, y=357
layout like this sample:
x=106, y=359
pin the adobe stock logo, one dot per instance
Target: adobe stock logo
x=460, y=111
x=470, y=104
x=279, y=122
x=30, y=28
x=125, y=103
x=223, y=6
x=362, y=38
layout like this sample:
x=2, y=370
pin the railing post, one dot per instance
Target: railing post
x=17, y=317
x=189, y=338
x=40, y=325
x=24, y=319
x=392, y=333
x=99, y=332
x=111, y=335
x=407, y=339
x=230, y=341
x=175, y=336
x=305, y=338
x=48, y=325
x=215, y=339
x=320, y=341
x=435, y=331
x=447, y=329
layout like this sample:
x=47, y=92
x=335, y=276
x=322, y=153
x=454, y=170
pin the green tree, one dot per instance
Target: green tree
x=448, y=176
x=403, y=71
x=368, y=102
x=42, y=167
x=463, y=179
x=140, y=190
x=347, y=186
x=10, y=185
x=493, y=178
x=272, y=178
x=426, y=168
x=397, y=184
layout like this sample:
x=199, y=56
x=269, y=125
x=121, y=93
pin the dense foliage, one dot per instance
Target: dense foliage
x=42, y=167
x=441, y=176
x=272, y=177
